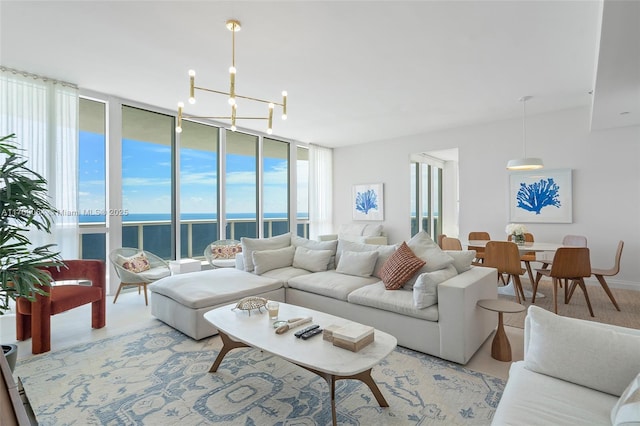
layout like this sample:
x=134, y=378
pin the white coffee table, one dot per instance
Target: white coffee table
x=238, y=329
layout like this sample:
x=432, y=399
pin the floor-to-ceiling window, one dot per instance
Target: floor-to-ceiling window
x=242, y=180
x=199, y=147
x=426, y=199
x=275, y=187
x=147, y=196
x=92, y=178
x=241, y=185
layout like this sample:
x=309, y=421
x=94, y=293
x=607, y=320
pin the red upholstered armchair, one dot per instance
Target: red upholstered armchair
x=33, y=319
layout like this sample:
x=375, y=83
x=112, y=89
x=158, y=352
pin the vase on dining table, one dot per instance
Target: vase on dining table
x=518, y=239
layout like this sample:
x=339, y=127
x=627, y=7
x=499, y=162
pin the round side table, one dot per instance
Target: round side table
x=500, y=347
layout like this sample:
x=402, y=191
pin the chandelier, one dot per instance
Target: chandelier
x=233, y=26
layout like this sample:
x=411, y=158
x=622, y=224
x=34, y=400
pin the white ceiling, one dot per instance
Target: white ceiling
x=355, y=71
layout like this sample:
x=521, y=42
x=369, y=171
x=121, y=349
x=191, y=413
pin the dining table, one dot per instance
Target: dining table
x=544, y=252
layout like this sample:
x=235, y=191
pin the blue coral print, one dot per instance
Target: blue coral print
x=535, y=197
x=366, y=201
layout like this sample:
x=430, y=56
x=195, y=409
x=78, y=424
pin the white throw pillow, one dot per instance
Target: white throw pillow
x=426, y=249
x=317, y=245
x=425, y=290
x=249, y=245
x=626, y=412
x=314, y=245
x=311, y=260
x=462, y=259
x=384, y=252
x=360, y=264
x=372, y=231
x=568, y=348
x=266, y=260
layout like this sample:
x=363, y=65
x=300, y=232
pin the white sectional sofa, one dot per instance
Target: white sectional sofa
x=574, y=372
x=343, y=278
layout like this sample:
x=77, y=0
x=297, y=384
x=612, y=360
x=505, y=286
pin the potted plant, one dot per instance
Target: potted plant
x=24, y=205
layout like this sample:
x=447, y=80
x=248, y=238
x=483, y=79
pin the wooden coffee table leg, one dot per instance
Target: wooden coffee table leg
x=227, y=345
x=364, y=377
x=500, y=347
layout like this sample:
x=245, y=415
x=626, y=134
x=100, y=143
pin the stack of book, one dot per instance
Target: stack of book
x=352, y=337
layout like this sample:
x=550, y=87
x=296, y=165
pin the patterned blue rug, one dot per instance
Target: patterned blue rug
x=158, y=376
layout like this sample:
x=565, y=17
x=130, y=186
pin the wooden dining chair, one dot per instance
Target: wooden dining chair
x=440, y=237
x=478, y=235
x=601, y=273
x=505, y=257
x=573, y=265
x=527, y=257
x=567, y=240
x=450, y=243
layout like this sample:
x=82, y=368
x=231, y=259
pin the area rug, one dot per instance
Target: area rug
x=159, y=376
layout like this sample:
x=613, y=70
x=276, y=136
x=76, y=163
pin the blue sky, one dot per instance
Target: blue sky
x=146, y=171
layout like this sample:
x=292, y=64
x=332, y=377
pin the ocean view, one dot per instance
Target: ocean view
x=156, y=217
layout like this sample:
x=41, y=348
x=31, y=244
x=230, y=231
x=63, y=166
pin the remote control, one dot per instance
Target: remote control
x=311, y=333
x=304, y=330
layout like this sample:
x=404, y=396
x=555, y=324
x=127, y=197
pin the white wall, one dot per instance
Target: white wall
x=606, y=181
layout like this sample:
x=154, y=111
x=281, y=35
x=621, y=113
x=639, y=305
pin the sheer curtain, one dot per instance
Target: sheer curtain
x=320, y=191
x=43, y=114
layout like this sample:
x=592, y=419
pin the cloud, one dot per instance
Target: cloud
x=198, y=178
x=146, y=182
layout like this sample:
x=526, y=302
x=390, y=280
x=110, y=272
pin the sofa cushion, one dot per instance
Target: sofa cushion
x=154, y=274
x=533, y=399
x=400, y=301
x=425, y=290
x=360, y=264
x=462, y=259
x=563, y=347
x=249, y=245
x=311, y=260
x=400, y=267
x=266, y=260
x=384, y=252
x=626, y=412
x=213, y=287
x=285, y=274
x=330, y=283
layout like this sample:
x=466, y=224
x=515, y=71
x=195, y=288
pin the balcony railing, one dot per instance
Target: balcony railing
x=195, y=235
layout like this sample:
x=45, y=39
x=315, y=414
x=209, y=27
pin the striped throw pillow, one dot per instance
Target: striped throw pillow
x=400, y=267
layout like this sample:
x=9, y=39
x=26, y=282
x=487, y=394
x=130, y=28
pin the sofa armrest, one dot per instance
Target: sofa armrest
x=463, y=325
x=327, y=237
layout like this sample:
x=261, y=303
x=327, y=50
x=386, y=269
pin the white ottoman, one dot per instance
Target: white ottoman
x=182, y=300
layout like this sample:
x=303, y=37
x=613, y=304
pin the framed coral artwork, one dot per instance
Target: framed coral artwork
x=368, y=202
x=542, y=196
